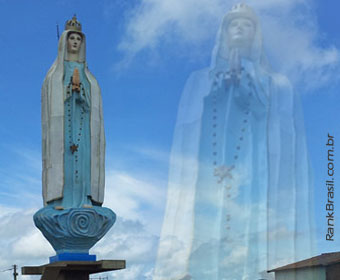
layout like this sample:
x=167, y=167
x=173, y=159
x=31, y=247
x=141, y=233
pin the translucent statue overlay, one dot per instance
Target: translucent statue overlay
x=72, y=129
x=240, y=191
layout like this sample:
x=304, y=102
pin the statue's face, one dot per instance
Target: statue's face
x=241, y=32
x=74, y=41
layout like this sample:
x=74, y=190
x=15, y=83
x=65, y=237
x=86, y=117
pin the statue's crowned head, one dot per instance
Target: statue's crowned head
x=241, y=10
x=74, y=40
x=240, y=30
x=240, y=23
x=73, y=24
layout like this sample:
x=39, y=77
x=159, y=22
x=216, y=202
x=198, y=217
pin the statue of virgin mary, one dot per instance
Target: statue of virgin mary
x=73, y=148
x=72, y=127
x=240, y=192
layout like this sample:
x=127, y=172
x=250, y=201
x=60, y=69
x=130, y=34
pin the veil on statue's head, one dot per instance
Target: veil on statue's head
x=71, y=26
x=221, y=50
x=62, y=46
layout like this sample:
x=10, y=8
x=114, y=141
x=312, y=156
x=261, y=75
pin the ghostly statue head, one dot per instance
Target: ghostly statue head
x=240, y=30
x=240, y=27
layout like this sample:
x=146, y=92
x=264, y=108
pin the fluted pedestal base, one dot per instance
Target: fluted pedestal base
x=75, y=230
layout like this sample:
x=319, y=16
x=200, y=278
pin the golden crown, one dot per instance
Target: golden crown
x=73, y=24
x=241, y=10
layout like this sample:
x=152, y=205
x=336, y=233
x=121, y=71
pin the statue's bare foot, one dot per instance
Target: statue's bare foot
x=59, y=208
x=87, y=206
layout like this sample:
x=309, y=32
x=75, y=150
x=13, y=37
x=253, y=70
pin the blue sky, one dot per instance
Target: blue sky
x=141, y=53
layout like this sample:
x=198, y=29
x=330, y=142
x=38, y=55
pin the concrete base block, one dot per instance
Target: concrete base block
x=70, y=270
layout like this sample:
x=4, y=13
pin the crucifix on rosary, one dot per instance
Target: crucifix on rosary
x=222, y=172
x=75, y=88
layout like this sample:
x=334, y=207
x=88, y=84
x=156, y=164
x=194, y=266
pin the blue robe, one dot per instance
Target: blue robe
x=232, y=174
x=77, y=160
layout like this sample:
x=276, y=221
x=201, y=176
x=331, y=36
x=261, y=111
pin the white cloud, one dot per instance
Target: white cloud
x=293, y=48
x=20, y=242
x=138, y=203
x=32, y=245
x=155, y=21
x=290, y=28
x=136, y=198
x=21, y=183
x=130, y=273
x=151, y=153
x=128, y=240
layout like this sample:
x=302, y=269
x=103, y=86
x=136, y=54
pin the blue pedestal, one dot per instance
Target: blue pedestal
x=73, y=257
x=72, y=232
